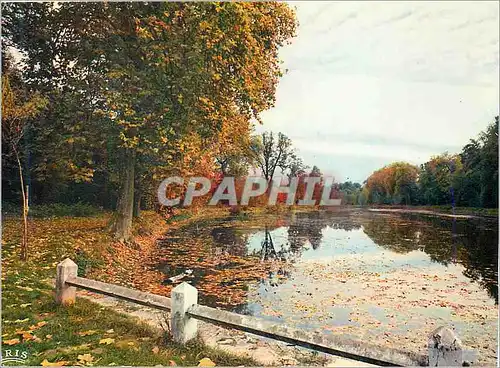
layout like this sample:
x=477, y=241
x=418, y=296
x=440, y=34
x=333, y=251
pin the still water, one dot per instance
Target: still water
x=392, y=278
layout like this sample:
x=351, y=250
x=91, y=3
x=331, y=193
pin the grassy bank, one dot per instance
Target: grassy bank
x=84, y=334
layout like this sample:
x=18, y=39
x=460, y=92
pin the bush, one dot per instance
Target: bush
x=11, y=209
x=85, y=262
x=61, y=210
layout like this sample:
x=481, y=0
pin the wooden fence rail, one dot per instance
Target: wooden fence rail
x=444, y=348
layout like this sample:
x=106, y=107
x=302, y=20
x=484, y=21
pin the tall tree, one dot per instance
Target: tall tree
x=157, y=81
x=489, y=166
x=393, y=184
x=295, y=166
x=272, y=152
x=437, y=178
x=18, y=107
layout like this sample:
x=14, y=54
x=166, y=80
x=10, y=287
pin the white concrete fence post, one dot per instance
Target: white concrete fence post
x=445, y=348
x=184, y=328
x=65, y=294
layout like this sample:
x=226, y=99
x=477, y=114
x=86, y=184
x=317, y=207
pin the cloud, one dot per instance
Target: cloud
x=387, y=81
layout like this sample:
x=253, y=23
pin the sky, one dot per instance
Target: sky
x=370, y=83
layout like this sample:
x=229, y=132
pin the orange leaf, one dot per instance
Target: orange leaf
x=46, y=363
x=27, y=336
x=206, y=362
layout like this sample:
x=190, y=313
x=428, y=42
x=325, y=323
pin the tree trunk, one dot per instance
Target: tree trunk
x=24, y=239
x=137, y=203
x=124, y=211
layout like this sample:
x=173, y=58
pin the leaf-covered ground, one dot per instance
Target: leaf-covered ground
x=84, y=334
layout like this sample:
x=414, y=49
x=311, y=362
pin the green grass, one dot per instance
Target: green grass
x=63, y=332
x=133, y=341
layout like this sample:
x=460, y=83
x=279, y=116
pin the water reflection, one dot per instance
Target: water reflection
x=419, y=240
x=472, y=243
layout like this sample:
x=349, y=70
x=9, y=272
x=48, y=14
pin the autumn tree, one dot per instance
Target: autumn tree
x=18, y=108
x=393, y=184
x=157, y=82
x=234, y=153
x=68, y=143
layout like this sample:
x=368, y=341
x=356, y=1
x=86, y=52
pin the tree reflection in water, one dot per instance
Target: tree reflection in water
x=472, y=243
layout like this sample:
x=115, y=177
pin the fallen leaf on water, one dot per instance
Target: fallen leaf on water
x=106, y=341
x=206, y=362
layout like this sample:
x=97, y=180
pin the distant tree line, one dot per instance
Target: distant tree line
x=469, y=178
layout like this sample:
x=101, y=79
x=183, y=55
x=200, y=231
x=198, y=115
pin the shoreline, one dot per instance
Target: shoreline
x=430, y=212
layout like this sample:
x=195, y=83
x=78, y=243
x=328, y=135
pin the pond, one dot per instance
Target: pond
x=391, y=278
